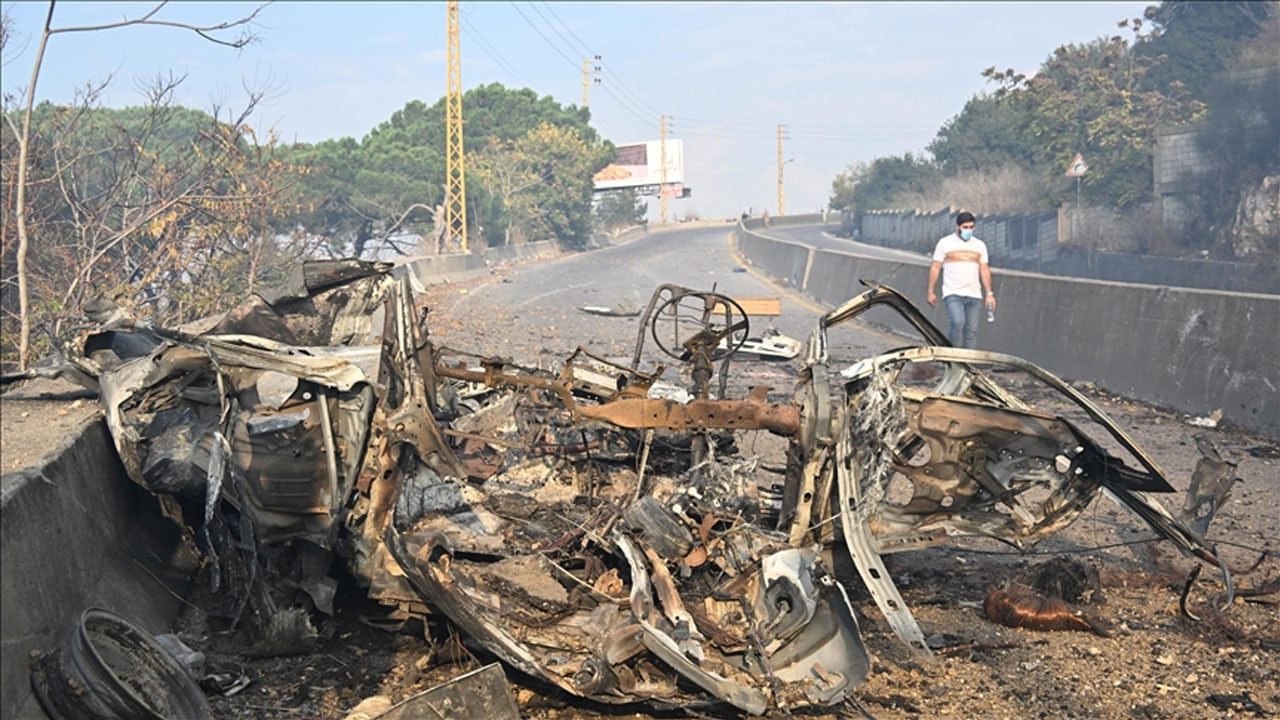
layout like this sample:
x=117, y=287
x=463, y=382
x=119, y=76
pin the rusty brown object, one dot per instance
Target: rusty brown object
x=493, y=376
x=1025, y=608
x=489, y=439
x=640, y=412
x=697, y=414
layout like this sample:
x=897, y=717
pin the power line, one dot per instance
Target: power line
x=586, y=50
x=639, y=115
x=553, y=28
x=496, y=56
x=625, y=88
x=639, y=102
x=544, y=36
x=554, y=46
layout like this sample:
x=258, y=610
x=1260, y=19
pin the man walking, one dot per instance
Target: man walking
x=961, y=258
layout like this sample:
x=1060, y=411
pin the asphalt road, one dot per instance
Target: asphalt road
x=531, y=314
x=822, y=237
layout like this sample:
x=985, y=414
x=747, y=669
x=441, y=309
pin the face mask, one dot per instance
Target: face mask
x=966, y=234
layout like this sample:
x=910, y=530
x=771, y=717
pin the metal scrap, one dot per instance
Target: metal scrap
x=593, y=526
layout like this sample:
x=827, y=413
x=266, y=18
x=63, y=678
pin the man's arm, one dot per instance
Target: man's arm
x=934, y=270
x=985, y=272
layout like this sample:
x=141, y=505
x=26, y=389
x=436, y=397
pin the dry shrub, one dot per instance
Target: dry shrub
x=1002, y=190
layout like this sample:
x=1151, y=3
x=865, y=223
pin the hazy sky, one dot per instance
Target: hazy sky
x=853, y=81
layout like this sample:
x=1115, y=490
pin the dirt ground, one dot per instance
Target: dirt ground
x=1156, y=664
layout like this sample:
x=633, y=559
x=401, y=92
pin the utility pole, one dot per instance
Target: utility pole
x=662, y=184
x=781, y=204
x=455, y=198
x=588, y=71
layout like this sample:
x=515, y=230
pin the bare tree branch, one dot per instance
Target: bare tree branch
x=204, y=31
x=107, y=208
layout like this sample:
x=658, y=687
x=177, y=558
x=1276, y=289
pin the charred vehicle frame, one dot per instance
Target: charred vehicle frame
x=594, y=527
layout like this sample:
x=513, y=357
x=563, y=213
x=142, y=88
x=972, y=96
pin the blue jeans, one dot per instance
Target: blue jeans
x=962, y=320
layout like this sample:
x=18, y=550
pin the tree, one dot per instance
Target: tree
x=208, y=32
x=616, y=209
x=988, y=133
x=358, y=192
x=876, y=185
x=565, y=163
x=843, y=186
x=1089, y=99
x=509, y=176
x=1199, y=40
x=155, y=206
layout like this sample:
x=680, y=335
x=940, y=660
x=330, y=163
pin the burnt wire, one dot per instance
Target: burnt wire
x=852, y=702
x=1090, y=549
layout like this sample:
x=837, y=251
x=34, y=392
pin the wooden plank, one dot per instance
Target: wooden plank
x=757, y=305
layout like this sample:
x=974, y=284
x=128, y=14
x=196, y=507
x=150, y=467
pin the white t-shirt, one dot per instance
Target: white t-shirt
x=960, y=262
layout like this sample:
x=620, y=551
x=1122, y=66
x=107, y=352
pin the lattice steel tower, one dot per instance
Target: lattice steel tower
x=455, y=199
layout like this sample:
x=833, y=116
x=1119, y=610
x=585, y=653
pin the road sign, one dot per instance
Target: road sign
x=1078, y=166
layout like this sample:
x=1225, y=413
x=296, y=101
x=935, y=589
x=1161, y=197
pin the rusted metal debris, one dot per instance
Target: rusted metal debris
x=482, y=693
x=594, y=527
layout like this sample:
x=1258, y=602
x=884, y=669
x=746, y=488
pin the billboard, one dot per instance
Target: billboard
x=640, y=165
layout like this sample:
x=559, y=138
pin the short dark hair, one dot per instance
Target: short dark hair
x=965, y=217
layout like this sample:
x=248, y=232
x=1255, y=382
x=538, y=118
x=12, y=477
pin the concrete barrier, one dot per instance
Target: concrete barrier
x=75, y=532
x=1192, y=350
x=440, y=269
x=784, y=260
x=526, y=251
x=757, y=223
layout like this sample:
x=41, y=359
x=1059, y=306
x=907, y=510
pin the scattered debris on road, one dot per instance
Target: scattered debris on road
x=585, y=525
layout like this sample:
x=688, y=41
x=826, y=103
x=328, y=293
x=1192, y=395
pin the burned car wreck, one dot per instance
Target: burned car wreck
x=593, y=526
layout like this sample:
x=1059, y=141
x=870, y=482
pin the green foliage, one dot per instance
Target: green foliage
x=1103, y=99
x=1090, y=100
x=988, y=133
x=875, y=185
x=564, y=163
x=390, y=180
x=159, y=206
x=1198, y=41
x=616, y=209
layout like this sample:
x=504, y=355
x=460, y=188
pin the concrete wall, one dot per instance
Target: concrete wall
x=77, y=533
x=1034, y=242
x=636, y=232
x=1192, y=350
x=1177, y=158
x=526, y=251
x=459, y=267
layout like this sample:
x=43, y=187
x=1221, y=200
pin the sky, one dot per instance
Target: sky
x=851, y=81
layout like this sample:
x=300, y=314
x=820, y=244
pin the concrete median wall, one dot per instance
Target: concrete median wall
x=77, y=533
x=526, y=251
x=1192, y=350
x=1035, y=242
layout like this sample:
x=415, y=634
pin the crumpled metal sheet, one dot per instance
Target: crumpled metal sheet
x=594, y=527
x=917, y=465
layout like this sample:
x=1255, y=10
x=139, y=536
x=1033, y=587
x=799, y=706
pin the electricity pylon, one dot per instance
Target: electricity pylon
x=662, y=184
x=455, y=199
x=588, y=70
x=782, y=208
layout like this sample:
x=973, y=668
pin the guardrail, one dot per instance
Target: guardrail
x=1192, y=350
